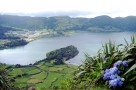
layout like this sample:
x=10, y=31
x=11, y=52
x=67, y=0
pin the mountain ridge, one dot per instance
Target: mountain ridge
x=69, y=23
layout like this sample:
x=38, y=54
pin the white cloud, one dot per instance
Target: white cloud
x=93, y=7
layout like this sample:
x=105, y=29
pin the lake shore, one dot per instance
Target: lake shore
x=29, y=36
x=36, y=50
x=25, y=36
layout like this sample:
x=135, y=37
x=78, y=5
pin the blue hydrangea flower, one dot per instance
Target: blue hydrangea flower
x=107, y=70
x=114, y=70
x=107, y=76
x=119, y=72
x=112, y=74
x=112, y=77
x=118, y=63
x=113, y=83
x=125, y=63
x=120, y=81
x=117, y=82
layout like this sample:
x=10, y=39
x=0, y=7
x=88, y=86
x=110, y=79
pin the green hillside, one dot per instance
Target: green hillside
x=64, y=23
x=41, y=76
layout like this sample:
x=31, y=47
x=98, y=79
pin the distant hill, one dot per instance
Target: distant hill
x=7, y=40
x=4, y=30
x=67, y=23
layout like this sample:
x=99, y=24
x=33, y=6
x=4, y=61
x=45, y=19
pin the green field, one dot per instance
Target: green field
x=41, y=76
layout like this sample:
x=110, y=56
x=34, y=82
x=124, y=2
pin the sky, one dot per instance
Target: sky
x=73, y=8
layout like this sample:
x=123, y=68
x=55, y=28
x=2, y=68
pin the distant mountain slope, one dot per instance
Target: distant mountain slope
x=9, y=40
x=68, y=23
x=4, y=30
x=22, y=22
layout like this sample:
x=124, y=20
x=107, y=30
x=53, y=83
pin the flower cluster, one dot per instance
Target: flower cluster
x=112, y=74
x=119, y=63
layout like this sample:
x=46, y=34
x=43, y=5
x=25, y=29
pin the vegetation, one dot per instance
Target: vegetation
x=107, y=69
x=65, y=23
x=12, y=43
x=44, y=75
x=60, y=55
x=5, y=83
x=7, y=41
x=113, y=67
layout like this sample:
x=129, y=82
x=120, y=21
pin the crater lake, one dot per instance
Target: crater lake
x=86, y=42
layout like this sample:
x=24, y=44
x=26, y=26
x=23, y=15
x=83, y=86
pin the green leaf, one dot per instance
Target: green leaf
x=134, y=78
x=126, y=41
x=130, y=60
x=131, y=68
x=81, y=73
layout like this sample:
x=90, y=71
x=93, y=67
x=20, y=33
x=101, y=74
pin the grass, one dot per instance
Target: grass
x=15, y=72
x=99, y=88
x=21, y=82
x=54, y=69
x=38, y=78
x=48, y=82
x=61, y=79
x=42, y=76
x=34, y=81
x=33, y=71
x=69, y=70
x=43, y=67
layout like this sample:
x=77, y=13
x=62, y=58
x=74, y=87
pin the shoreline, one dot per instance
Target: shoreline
x=30, y=36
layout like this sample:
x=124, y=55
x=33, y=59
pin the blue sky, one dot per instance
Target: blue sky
x=73, y=8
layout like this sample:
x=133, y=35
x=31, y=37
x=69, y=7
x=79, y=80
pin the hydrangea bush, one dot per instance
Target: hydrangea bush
x=112, y=75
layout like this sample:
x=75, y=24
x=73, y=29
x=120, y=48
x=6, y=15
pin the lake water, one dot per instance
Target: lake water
x=86, y=42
